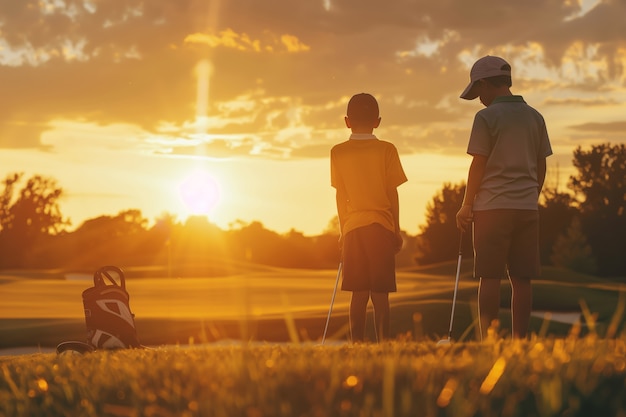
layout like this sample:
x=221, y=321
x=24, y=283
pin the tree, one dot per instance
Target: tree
x=556, y=212
x=6, y=199
x=332, y=228
x=29, y=217
x=254, y=243
x=106, y=240
x=199, y=239
x=600, y=183
x=439, y=237
x=99, y=230
x=600, y=189
x=572, y=251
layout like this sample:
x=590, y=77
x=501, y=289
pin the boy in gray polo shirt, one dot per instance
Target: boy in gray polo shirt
x=509, y=144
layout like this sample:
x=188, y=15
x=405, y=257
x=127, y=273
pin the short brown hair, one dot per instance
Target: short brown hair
x=363, y=107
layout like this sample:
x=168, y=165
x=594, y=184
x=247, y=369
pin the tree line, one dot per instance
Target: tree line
x=582, y=228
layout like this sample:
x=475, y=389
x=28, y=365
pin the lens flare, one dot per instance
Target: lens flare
x=200, y=192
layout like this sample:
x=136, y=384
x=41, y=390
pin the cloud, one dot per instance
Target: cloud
x=216, y=148
x=577, y=101
x=590, y=133
x=282, y=71
x=293, y=44
x=228, y=38
x=609, y=127
x=22, y=134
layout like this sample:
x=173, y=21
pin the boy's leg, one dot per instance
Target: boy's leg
x=521, y=306
x=492, y=231
x=355, y=280
x=381, y=256
x=358, y=315
x=381, y=314
x=523, y=266
x=488, y=304
x=369, y=269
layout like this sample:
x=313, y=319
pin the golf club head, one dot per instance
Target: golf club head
x=444, y=342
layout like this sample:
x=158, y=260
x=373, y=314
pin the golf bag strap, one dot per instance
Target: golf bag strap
x=105, y=272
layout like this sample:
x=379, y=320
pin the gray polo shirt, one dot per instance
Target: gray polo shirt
x=513, y=136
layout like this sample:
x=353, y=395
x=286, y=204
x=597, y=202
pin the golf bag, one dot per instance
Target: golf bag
x=110, y=323
x=109, y=320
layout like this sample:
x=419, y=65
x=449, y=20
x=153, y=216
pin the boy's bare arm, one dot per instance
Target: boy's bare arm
x=342, y=208
x=474, y=178
x=395, y=207
x=395, y=211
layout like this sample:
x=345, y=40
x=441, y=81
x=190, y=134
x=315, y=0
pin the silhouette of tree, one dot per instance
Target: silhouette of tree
x=32, y=228
x=125, y=224
x=326, y=247
x=254, y=243
x=161, y=234
x=555, y=215
x=439, y=237
x=6, y=198
x=572, y=251
x=30, y=217
x=438, y=240
x=198, y=239
x=600, y=183
x=600, y=189
x=107, y=240
x=333, y=226
x=297, y=251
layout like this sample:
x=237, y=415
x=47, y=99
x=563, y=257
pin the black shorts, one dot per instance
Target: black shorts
x=506, y=241
x=369, y=262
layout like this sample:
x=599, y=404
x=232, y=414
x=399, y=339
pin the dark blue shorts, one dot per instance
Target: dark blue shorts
x=369, y=262
x=506, y=241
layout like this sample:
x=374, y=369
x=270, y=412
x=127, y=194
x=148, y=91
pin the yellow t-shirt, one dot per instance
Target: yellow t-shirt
x=365, y=167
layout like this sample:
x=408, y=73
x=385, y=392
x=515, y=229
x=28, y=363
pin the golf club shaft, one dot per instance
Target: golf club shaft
x=456, y=284
x=332, y=301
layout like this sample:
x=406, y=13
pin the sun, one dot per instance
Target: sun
x=199, y=192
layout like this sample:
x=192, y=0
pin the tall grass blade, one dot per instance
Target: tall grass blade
x=618, y=315
x=589, y=317
x=289, y=320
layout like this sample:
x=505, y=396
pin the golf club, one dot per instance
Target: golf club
x=456, y=287
x=332, y=301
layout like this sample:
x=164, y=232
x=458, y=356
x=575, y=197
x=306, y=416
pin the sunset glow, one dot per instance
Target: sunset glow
x=200, y=192
x=126, y=100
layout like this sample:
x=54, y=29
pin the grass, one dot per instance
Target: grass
x=262, y=304
x=569, y=376
x=248, y=345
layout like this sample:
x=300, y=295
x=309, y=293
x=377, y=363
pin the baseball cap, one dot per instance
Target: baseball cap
x=485, y=67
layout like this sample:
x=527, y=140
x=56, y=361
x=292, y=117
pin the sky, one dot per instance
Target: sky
x=229, y=108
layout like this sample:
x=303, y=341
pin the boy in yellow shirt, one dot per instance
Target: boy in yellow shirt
x=366, y=172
